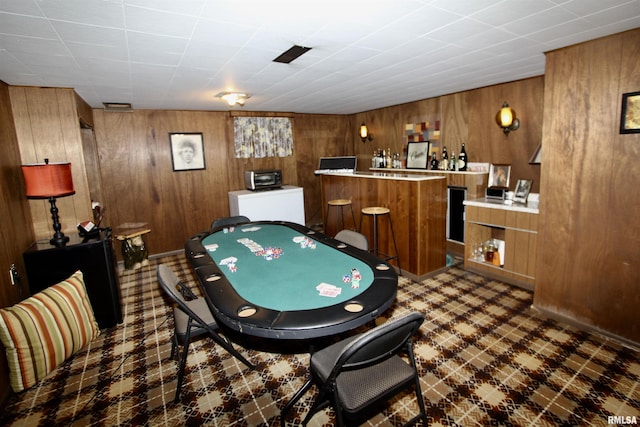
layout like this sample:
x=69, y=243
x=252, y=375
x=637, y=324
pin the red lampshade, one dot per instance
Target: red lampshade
x=46, y=180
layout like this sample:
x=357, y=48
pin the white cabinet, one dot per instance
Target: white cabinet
x=283, y=204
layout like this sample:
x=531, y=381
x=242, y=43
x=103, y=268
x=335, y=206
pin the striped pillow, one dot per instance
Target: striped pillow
x=45, y=329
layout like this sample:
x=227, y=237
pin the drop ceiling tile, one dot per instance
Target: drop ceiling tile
x=158, y=22
x=142, y=48
x=90, y=12
x=90, y=34
x=28, y=26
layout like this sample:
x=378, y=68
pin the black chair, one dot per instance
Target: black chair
x=353, y=238
x=192, y=318
x=229, y=221
x=359, y=373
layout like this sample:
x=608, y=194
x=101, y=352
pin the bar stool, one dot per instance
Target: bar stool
x=339, y=203
x=377, y=211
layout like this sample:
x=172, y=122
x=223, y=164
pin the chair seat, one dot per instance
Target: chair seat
x=357, y=389
x=339, y=202
x=375, y=210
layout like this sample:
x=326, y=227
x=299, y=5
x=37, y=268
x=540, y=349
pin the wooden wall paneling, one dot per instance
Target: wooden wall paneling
x=388, y=127
x=47, y=126
x=487, y=142
x=455, y=122
x=317, y=136
x=584, y=272
x=92, y=164
x=17, y=233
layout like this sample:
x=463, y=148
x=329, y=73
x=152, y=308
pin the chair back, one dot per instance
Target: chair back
x=170, y=284
x=353, y=238
x=379, y=343
x=229, y=221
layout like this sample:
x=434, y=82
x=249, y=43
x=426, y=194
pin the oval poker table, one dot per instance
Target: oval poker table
x=281, y=280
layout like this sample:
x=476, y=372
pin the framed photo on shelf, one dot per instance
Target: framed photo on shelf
x=630, y=115
x=187, y=151
x=418, y=155
x=499, y=176
x=522, y=190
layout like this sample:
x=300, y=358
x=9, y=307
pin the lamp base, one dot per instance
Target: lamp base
x=59, y=241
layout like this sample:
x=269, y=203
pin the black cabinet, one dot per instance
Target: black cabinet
x=47, y=265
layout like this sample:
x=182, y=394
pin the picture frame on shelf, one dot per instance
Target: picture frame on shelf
x=187, y=151
x=499, y=176
x=418, y=155
x=630, y=114
x=523, y=187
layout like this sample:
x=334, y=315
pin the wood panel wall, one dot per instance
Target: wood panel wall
x=589, y=237
x=16, y=232
x=139, y=184
x=466, y=117
x=48, y=127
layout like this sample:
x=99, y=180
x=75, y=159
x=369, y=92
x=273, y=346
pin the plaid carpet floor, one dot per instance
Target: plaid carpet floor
x=484, y=356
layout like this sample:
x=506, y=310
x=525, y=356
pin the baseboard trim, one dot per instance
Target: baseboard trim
x=587, y=327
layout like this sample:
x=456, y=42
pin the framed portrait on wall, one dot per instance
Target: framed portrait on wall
x=187, y=151
x=499, y=176
x=418, y=155
x=630, y=115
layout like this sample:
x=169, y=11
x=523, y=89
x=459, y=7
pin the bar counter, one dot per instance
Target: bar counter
x=418, y=205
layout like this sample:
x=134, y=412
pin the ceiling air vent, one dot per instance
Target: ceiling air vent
x=117, y=106
x=291, y=54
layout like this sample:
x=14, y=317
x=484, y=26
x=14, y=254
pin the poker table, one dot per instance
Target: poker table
x=281, y=280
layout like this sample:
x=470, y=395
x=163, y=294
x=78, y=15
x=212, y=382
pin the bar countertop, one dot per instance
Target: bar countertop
x=530, y=207
x=383, y=175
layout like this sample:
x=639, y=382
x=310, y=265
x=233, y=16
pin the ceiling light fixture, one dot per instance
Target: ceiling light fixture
x=506, y=119
x=234, y=98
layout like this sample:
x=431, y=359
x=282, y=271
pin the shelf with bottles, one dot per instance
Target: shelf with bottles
x=518, y=231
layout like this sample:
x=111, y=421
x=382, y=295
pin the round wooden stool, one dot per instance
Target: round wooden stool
x=339, y=203
x=377, y=211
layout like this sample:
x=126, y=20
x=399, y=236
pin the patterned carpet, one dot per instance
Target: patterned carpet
x=485, y=359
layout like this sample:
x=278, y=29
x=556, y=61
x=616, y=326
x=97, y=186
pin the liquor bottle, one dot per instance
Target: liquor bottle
x=434, y=162
x=445, y=159
x=388, y=159
x=452, y=162
x=374, y=159
x=462, y=159
x=383, y=157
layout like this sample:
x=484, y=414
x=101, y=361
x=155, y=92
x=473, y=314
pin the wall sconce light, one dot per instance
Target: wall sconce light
x=506, y=119
x=48, y=181
x=365, y=135
x=234, y=98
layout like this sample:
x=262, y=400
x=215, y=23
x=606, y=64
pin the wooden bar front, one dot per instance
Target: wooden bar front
x=418, y=208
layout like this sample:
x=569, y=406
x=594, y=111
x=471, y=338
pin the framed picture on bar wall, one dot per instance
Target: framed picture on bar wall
x=630, y=116
x=499, y=176
x=522, y=190
x=187, y=151
x=418, y=155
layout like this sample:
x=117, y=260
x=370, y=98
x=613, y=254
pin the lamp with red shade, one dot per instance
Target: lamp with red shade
x=48, y=181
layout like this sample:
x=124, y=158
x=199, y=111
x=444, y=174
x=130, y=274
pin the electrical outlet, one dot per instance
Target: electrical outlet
x=13, y=274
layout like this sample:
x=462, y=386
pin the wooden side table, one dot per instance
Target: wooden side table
x=134, y=250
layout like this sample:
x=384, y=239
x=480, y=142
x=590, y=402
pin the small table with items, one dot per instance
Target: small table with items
x=281, y=280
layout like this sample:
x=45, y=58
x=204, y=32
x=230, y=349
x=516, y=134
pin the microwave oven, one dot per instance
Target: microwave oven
x=266, y=179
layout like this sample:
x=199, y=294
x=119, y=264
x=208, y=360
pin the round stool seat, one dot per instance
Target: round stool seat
x=339, y=202
x=375, y=210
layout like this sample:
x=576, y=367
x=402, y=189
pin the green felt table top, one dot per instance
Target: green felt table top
x=279, y=268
